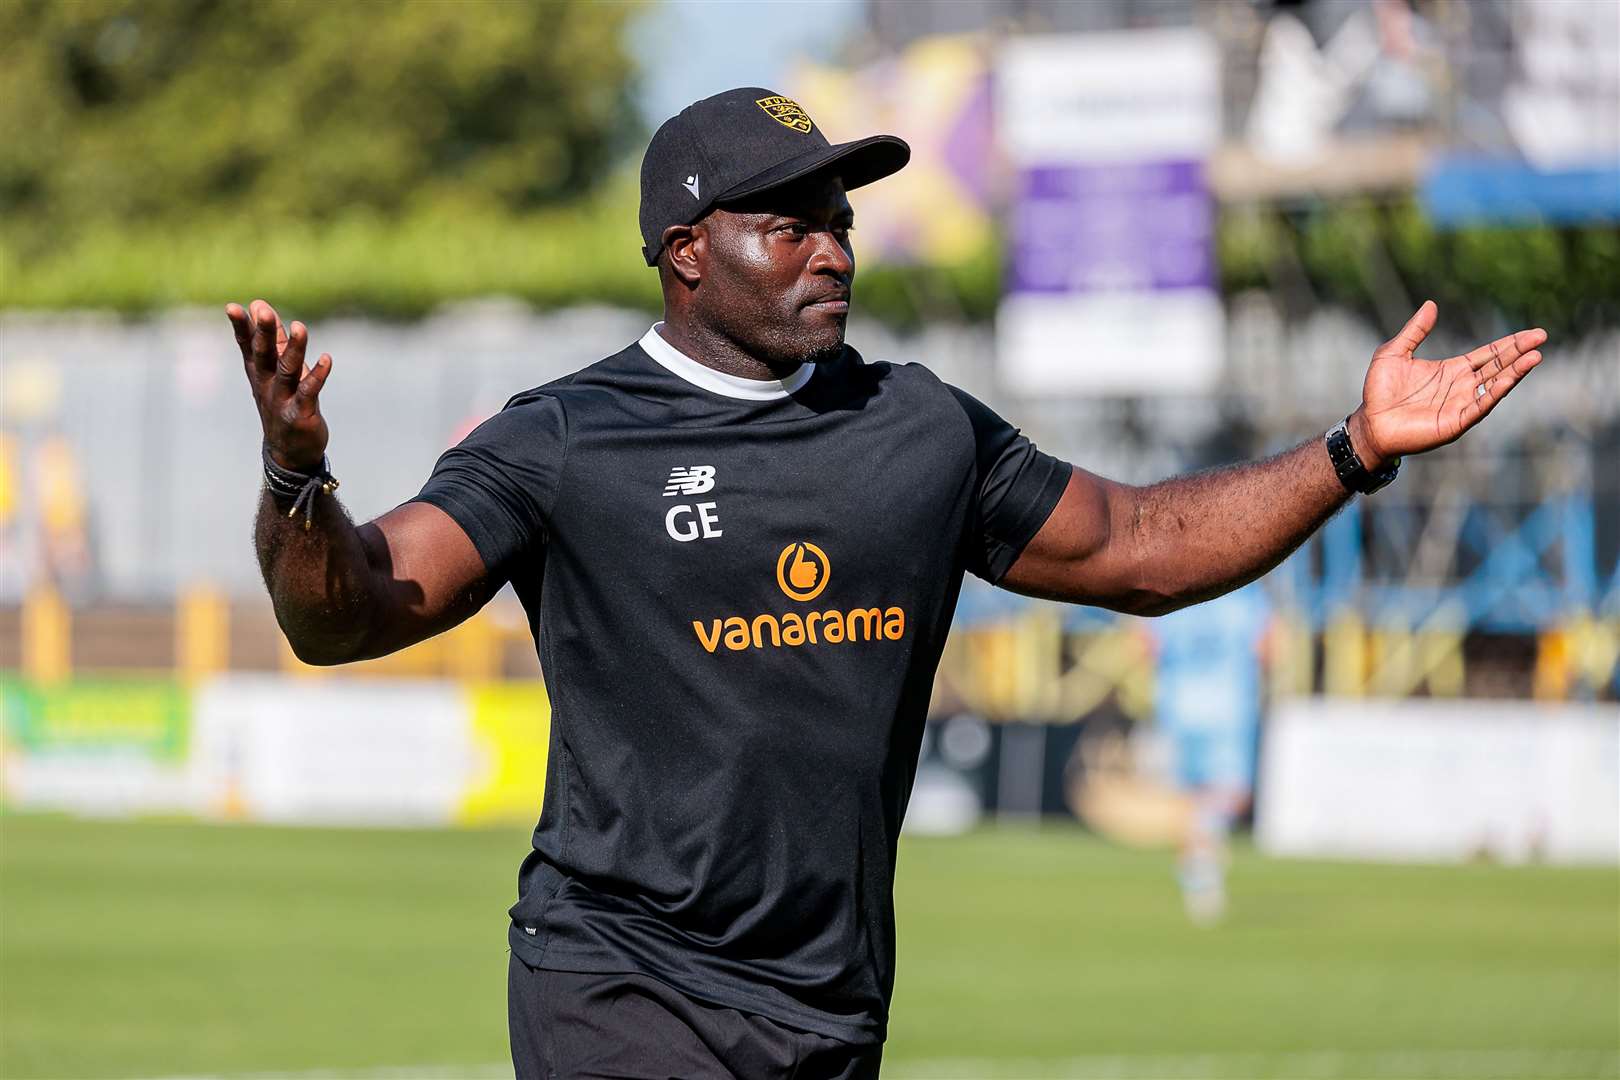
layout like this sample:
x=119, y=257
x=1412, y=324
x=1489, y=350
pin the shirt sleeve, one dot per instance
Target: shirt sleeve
x=1018, y=487
x=500, y=482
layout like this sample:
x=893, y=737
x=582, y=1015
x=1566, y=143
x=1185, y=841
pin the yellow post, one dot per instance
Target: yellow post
x=993, y=678
x=1294, y=667
x=1440, y=648
x=202, y=629
x=1038, y=648
x=1137, y=681
x=1344, y=661
x=1596, y=649
x=1394, y=662
x=47, y=636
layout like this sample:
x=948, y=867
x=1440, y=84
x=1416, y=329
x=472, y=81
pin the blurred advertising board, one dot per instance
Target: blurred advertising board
x=935, y=94
x=319, y=751
x=332, y=751
x=1463, y=190
x=104, y=747
x=509, y=725
x=1560, y=111
x=1561, y=98
x=1111, y=281
x=1441, y=781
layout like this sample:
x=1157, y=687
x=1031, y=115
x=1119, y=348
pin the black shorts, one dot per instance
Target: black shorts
x=566, y=1025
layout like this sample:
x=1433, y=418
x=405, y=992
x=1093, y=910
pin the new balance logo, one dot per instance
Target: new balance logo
x=691, y=184
x=690, y=480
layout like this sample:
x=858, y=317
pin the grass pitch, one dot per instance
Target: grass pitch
x=168, y=949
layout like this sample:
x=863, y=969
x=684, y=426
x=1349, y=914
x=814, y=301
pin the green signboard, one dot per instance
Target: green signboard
x=150, y=717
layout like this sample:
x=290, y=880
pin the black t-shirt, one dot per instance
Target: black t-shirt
x=739, y=606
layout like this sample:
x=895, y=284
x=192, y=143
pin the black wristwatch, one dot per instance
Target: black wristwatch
x=1352, y=473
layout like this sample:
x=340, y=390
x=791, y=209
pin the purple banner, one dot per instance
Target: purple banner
x=1109, y=228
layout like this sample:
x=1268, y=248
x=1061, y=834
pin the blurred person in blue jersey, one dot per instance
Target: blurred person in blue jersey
x=1207, y=708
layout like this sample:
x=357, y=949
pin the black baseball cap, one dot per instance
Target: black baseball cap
x=740, y=143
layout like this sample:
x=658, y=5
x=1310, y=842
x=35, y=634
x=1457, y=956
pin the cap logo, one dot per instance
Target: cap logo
x=691, y=184
x=786, y=111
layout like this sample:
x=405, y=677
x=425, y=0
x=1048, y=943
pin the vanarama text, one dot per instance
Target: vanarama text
x=813, y=628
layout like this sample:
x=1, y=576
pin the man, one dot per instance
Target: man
x=739, y=545
x=1206, y=691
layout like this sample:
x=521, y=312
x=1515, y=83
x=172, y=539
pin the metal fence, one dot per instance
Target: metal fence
x=143, y=433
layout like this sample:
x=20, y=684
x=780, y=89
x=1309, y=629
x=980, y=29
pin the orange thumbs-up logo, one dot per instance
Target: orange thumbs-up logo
x=802, y=570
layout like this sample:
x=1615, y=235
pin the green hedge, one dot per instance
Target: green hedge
x=360, y=262
x=551, y=258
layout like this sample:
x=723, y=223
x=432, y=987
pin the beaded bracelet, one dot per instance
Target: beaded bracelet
x=298, y=486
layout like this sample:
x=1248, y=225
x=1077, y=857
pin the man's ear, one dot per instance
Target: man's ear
x=688, y=248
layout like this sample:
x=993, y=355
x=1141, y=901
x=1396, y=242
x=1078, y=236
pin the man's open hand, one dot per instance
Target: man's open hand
x=286, y=391
x=1411, y=405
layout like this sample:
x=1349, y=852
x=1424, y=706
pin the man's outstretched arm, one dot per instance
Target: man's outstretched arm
x=1150, y=550
x=342, y=592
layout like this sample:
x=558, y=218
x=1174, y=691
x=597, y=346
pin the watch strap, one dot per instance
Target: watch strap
x=1352, y=473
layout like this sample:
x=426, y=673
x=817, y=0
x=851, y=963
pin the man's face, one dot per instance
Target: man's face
x=778, y=270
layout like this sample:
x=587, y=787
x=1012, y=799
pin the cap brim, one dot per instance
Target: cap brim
x=856, y=163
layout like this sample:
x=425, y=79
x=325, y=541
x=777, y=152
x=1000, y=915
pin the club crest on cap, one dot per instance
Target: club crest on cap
x=786, y=111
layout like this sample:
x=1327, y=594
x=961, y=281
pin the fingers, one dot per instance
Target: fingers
x=1496, y=387
x=265, y=326
x=268, y=347
x=1416, y=329
x=309, y=388
x=1491, y=358
x=290, y=364
x=242, y=327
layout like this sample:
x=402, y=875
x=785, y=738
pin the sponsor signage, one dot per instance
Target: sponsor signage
x=1111, y=278
x=935, y=94
x=802, y=572
x=143, y=717
x=1441, y=781
x=114, y=746
x=328, y=751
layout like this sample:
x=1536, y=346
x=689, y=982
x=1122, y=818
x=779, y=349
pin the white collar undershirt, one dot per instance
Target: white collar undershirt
x=707, y=378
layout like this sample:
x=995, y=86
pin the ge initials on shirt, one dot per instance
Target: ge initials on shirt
x=685, y=521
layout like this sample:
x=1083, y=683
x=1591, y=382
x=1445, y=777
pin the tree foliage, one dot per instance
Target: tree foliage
x=143, y=112
x=391, y=156
x=1385, y=257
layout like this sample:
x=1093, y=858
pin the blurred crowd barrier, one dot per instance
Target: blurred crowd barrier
x=129, y=450
x=145, y=671
x=1402, y=779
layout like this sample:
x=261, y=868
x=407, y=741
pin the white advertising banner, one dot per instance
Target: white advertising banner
x=1428, y=780
x=332, y=751
x=1111, y=279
